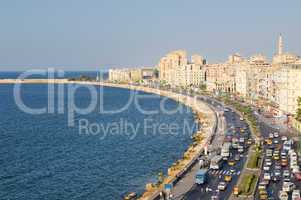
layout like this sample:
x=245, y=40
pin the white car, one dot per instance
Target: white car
x=286, y=173
x=276, y=134
x=222, y=186
x=266, y=168
x=283, y=195
x=271, y=135
x=284, y=138
x=267, y=176
x=296, y=195
x=295, y=169
x=288, y=186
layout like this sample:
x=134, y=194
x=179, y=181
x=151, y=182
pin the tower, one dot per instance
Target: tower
x=280, y=45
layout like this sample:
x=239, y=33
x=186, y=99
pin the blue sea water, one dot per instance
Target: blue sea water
x=41, y=157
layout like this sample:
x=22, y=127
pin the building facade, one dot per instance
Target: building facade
x=177, y=71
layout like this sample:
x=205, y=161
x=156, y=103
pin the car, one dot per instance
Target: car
x=283, y=195
x=269, y=152
x=284, y=162
x=283, y=157
x=222, y=186
x=284, y=138
x=271, y=135
x=276, y=141
x=249, y=141
x=276, y=157
x=241, y=119
x=283, y=153
x=266, y=168
x=263, y=195
x=277, y=172
x=296, y=195
x=231, y=162
x=262, y=186
x=286, y=174
x=235, y=190
x=288, y=186
x=267, y=176
x=237, y=157
x=276, y=135
x=241, y=140
x=295, y=169
x=277, y=166
x=276, y=178
x=214, y=197
x=240, y=149
x=268, y=163
x=276, y=151
x=228, y=178
x=287, y=145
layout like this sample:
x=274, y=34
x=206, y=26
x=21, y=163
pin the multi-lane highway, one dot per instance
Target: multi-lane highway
x=210, y=189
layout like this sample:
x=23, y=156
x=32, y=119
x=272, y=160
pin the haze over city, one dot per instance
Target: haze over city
x=87, y=35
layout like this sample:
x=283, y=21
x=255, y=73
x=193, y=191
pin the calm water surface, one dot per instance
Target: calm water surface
x=41, y=157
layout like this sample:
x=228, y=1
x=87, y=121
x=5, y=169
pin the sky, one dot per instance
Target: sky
x=93, y=34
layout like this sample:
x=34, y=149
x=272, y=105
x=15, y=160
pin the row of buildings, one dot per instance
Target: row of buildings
x=255, y=79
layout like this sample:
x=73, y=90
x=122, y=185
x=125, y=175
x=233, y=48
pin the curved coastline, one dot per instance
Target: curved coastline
x=204, y=113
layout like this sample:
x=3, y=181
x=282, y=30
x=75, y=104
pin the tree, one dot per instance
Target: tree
x=298, y=115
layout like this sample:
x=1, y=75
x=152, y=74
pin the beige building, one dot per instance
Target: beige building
x=287, y=86
x=176, y=70
x=252, y=78
x=131, y=74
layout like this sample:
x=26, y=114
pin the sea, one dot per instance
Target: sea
x=66, y=142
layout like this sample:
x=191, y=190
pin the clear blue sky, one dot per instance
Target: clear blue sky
x=78, y=34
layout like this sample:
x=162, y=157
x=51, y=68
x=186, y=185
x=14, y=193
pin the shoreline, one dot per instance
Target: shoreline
x=204, y=114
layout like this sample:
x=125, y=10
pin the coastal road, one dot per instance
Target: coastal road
x=216, y=176
x=187, y=189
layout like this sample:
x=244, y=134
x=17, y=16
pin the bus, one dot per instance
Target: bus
x=216, y=162
x=201, y=176
x=225, y=153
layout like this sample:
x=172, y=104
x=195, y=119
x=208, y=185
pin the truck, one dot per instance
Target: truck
x=201, y=176
x=216, y=162
x=225, y=153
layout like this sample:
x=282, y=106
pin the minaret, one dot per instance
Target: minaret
x=280, y=45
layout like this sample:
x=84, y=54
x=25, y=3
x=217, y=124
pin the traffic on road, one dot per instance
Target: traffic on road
x=220, y=169
x=281, y=176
